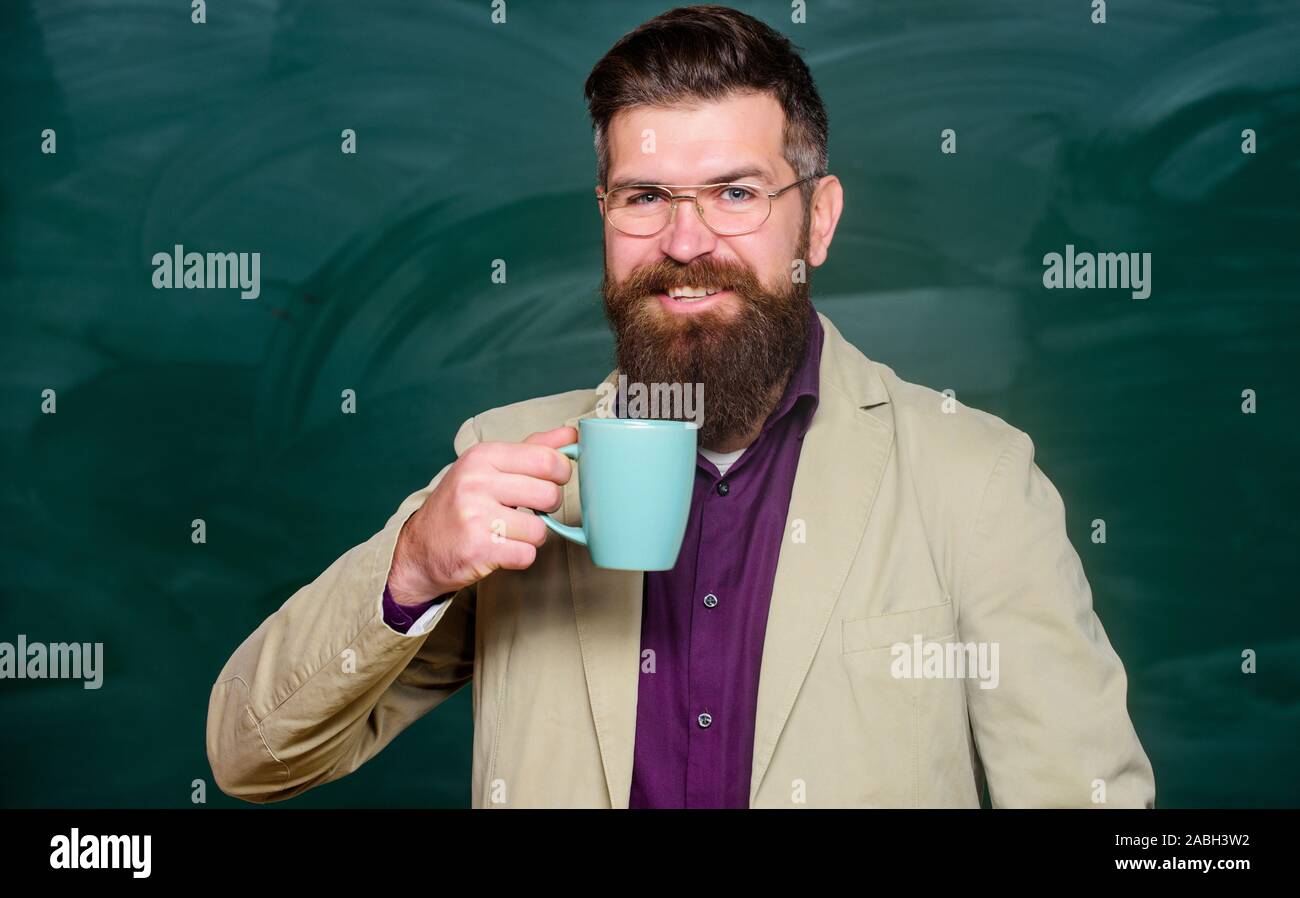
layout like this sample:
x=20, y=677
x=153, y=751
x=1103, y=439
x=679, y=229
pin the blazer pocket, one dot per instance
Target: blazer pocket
x=884, y=630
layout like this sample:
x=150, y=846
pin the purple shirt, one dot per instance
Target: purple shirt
x=706, y=619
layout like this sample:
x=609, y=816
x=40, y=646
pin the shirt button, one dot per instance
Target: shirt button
x=723, y=487
x=710, y=601
x=705, y=719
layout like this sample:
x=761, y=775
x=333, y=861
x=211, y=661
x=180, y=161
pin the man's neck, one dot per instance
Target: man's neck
x=731, y=444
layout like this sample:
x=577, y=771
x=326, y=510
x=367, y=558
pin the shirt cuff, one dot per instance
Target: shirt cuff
x=402, y=617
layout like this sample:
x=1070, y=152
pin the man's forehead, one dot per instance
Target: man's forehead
x=702, y=142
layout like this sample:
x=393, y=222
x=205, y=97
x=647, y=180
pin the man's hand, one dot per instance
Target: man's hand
x=470, y=524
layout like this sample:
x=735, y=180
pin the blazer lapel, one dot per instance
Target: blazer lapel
x=840, y=466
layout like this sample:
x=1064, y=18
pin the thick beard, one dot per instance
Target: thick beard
x=740, y=358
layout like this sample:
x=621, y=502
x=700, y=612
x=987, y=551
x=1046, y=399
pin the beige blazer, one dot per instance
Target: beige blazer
x=908, y=525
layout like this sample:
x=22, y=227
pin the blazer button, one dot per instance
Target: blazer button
x=723, y=487
x=705, y=720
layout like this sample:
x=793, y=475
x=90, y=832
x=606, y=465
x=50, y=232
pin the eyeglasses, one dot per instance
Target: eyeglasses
x=728, y=210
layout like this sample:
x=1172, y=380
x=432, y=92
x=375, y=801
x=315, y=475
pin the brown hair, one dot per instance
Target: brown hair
x=706, y=53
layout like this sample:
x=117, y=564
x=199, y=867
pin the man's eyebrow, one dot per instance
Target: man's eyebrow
x=729, y=177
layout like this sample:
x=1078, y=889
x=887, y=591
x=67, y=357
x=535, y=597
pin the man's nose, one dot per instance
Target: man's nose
x=686, y=236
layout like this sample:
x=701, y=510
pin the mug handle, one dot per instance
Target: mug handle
x=574, y=534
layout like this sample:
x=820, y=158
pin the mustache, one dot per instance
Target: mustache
x=659, y=276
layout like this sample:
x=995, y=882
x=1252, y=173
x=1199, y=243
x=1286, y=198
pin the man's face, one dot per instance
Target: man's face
x=743, y=340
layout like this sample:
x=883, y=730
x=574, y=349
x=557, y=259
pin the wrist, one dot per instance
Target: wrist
x=407, y=583
x=407, y=590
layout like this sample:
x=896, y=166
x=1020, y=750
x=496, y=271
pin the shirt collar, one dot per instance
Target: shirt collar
x=802, y=390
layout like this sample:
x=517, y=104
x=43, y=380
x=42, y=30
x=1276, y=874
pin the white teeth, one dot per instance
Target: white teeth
x=691, y=294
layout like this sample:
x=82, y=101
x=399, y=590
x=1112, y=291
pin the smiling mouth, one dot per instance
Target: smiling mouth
x=689, y=294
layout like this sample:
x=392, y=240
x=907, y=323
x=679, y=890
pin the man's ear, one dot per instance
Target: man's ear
x=827, y=204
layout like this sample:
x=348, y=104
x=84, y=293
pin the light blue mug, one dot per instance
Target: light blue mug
x=635, y=481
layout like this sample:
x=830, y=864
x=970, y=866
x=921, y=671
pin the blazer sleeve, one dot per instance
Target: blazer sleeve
x=324, y=683
x=1055, y=730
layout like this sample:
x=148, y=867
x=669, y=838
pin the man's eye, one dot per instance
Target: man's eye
x=639, y=199
x=735, y=194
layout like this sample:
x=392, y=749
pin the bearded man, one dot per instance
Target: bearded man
x=841, y=518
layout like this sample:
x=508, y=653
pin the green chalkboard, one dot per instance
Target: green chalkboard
x=472, y=144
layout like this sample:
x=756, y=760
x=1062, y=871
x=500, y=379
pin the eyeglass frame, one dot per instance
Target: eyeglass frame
x=674, y=199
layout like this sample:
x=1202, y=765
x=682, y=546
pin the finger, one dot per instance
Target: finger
x=514, y=555
x=531, y=459
x=513, y=524
x=520, y=490
x=560, y=436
